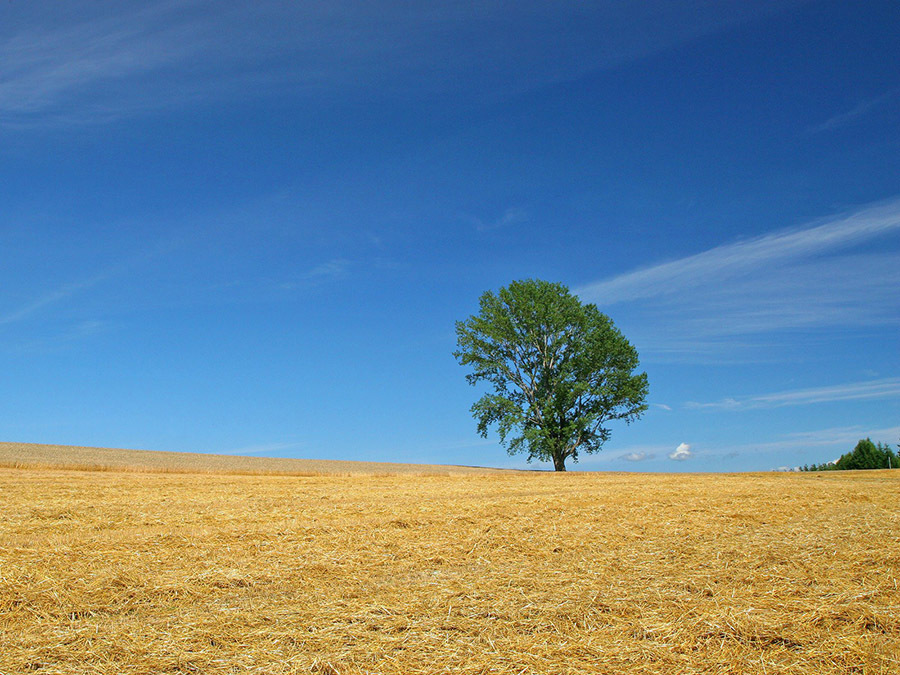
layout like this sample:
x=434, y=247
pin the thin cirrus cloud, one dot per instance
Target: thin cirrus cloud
x=837, y=440
x=330, y=270
x=873, y=389
x=63, y=70
x=48, y=299
x=836, y=436
x=735, y=260
x=87, y=64
x=67, y=294
x=63, y=293
x=847, y=117
x=809, y=277
x=511, y=216
x=327, y=272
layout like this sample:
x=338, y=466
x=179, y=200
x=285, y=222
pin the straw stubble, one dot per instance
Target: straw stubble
x=125, y=572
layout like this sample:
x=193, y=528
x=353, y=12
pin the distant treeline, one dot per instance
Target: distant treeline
x=866, y=455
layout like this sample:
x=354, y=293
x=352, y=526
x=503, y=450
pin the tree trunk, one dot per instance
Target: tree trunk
x=559, y=461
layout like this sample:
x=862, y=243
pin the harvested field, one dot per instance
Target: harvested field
x=123, y=572
x=34, y=455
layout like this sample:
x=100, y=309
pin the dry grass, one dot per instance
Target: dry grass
x=118, y=573
x=75, y=458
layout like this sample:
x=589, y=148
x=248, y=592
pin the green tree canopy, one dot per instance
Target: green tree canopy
x=866, y=455
x=560, y=371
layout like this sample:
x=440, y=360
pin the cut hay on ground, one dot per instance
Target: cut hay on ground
x=75, y=458
x=127, y=573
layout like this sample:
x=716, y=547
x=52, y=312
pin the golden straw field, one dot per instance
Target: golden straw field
x=118, y=572
x=34, y=455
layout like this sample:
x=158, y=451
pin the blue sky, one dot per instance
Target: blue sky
x=250, y=228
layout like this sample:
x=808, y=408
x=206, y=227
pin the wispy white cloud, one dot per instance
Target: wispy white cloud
x=841, y=435
x=836, y=440
x=681, y=453
x=330, y=270
x=75, y=71
x=873, y=389
x=637, y=456
x=62, y=337
x=511, y=216
x=77, y=294
x=72, y=290
x=824, y=274
x=752, y=257
x=98, y=64
x=51, y=298
x=852, y=115
x=662, y=406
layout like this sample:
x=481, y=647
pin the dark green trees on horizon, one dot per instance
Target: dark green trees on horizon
x=866, y=455
x=560, y=371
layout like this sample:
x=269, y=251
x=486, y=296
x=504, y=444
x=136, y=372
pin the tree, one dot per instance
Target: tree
x=560, y=370
x=886, y=457
x=867, y=455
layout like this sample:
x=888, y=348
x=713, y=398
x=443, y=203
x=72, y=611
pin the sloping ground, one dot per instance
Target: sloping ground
x=114, y=573
x=33, y=455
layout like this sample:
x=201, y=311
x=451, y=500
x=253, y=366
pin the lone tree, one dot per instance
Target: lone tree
x=560, y=371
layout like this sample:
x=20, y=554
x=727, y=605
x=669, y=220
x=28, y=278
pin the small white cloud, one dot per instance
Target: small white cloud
x=662, y=406
x=682, y=452
x=636, y=456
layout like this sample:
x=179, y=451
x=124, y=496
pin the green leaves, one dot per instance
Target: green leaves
x=560, y=371
x=866, y=455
